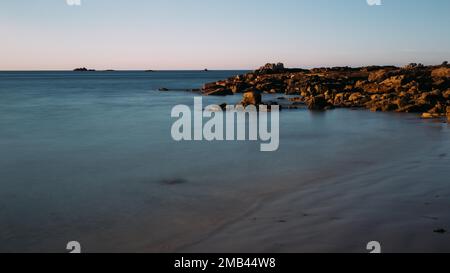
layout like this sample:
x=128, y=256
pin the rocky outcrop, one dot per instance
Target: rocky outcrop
x=414, y=88
x=271, y=69
x=317, y=103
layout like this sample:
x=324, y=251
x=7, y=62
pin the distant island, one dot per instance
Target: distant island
x=83, y=69
x=414, y=88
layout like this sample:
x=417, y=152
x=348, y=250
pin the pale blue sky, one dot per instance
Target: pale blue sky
x=220, y=34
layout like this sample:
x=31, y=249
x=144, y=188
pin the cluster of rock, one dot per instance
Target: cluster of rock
x=414, y=88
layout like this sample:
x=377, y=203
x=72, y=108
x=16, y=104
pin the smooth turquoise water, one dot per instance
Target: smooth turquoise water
x=85, y=157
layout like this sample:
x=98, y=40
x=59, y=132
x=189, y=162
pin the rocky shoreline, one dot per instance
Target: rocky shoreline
x=414, y=88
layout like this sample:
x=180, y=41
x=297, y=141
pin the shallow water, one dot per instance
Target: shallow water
x=89, y=157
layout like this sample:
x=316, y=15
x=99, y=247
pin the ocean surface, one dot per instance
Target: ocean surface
x=88, y=157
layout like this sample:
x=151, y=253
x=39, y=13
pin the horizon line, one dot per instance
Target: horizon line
x=214, y=69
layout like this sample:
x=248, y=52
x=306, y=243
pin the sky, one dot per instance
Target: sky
x=220, y=34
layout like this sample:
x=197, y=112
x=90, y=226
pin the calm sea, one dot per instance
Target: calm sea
x=89, y=157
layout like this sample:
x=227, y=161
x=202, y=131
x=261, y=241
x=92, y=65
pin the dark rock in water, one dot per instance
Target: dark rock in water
x=172, y=182
x=414, y=108
x=149, y=71
x=223, y=106
x=317, y=103
x=388, y=107
x=440, y=231
x=251, y=98
x=163, y=89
